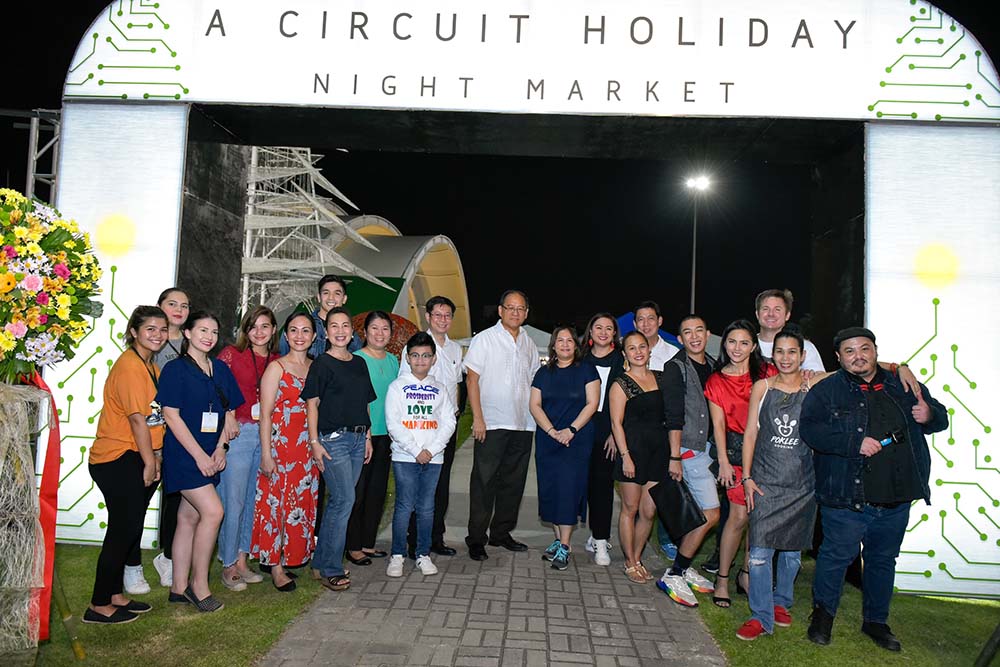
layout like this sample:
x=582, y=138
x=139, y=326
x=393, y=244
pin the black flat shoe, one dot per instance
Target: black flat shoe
x=377, y=553
x=179, y=598
x=135, y=607
x=820, y=626
x=442, y=549
x=286, y=587
x=364, y=560
x=882, y=636
x=266, y=569
x=120, y=616
x=478, y=552
x=509, y=543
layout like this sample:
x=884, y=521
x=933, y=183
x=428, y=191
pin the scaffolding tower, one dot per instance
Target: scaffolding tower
x=291, y=232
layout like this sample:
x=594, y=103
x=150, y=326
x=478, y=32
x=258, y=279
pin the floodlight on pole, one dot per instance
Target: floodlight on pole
x=698, y=185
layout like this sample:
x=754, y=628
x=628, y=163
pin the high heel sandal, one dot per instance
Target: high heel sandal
x=740, y=590
x=718, y=600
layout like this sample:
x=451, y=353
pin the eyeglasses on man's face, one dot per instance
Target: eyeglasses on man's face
x=519, y=310
x=420, y=355
x=441, y=316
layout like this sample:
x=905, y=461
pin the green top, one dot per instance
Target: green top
x=382, y=372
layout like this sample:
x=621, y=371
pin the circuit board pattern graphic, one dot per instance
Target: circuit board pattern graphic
x=963, y=524
x=81, y=516
x=939, y=72
x=150, y=69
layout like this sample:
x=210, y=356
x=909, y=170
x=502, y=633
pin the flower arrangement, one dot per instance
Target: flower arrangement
x=48, y=276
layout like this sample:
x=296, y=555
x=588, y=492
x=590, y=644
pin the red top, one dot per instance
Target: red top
x=248, y=369
x=732, y=394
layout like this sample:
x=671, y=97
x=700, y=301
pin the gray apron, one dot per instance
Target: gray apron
x=783, y=517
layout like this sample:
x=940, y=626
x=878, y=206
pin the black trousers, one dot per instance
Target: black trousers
x=170, y=504
x=441, y=494
x=601, y=489
x=126, y=499
x=499, y=470
x=369, y=496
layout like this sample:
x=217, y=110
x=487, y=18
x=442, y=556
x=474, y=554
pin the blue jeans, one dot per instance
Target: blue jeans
x=415, y=487
x=238, y=492
x=762, y=597
x=881, y=531
x=341, y=472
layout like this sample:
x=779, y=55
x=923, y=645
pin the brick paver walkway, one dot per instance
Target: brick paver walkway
x=511, y=610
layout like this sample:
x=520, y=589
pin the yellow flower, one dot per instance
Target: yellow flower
x=57, y=330
x=15, y=216
x=7, y=282
x=12, y=197
x=7, y=341
x=34, y=248
x=64, y=301
x=20, y=233
x=35, y=235
x=62, y=313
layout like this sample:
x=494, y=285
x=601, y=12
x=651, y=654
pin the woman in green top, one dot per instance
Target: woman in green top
x=383, y=367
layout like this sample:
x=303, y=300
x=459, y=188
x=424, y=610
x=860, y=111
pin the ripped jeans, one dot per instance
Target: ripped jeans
x=764, y=597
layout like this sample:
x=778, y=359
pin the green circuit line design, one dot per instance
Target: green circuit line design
x=932, y=62
x=966, y=543
x=130, y=38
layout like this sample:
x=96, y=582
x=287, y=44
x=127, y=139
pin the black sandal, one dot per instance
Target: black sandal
x=719, y=601
x=336, y=583
x=364, y=560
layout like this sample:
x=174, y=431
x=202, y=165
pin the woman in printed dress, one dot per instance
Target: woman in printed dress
x=288, y=482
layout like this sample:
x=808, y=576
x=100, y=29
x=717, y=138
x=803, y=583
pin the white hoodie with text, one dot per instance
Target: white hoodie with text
x=420, y=414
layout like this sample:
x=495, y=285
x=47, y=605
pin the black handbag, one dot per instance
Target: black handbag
x=676, y=508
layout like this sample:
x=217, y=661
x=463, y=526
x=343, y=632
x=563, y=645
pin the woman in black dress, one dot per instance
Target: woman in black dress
x=641, y=438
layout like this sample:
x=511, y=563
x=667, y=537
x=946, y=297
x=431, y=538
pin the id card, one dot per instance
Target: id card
x=255, y=412
x=209, y=422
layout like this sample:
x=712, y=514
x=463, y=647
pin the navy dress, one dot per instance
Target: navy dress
x=562, y=471
x=183, y=385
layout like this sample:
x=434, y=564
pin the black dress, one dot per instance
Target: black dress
x=645, y=432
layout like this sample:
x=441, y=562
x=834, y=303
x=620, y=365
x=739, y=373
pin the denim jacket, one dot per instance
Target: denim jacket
x=834, y=422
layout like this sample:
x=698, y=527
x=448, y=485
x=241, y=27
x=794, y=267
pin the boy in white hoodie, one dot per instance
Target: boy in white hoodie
x=420, y=417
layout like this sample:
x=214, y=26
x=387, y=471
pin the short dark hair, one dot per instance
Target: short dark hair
x=439, y=301
x=330, y=278
x=691, y=316
x=378, y=315
x=507, y=293
x=335, y=311
x=298, y=312
x=646, y=304
x=139, y=317
x=794, y=333
x=783, y=294
x=189, y=324
x=421, y=339
x=577, y=352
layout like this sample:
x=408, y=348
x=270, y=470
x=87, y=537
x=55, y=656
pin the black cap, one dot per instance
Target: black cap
x=851, y=332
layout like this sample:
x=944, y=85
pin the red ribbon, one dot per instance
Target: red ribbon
x=48, y=502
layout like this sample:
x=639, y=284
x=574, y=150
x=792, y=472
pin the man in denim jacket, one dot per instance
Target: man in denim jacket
x=871, y=462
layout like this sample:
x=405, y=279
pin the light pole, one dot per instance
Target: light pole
x=698, y=185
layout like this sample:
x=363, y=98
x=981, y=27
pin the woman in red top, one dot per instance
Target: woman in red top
x=728, y=393
x=247, y=359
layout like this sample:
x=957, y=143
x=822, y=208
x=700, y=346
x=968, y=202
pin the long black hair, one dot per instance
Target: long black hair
x=755, y=361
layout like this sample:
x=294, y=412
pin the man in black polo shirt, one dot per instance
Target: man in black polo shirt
x=871, y=462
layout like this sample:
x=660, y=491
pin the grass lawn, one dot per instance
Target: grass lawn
x=933, y=631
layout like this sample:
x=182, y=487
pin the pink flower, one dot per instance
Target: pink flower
x=18, y=329
x=42, y=299
x=32, y=282
x=43, y=318
x=9, y=251
x=61, y=271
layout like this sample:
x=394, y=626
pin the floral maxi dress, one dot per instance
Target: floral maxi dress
x=285, y=514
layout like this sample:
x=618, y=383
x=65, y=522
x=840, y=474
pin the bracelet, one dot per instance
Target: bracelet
x=676, y=458
x=314, y=442
x=746, y=479
x=551, y=428
x=625, y=453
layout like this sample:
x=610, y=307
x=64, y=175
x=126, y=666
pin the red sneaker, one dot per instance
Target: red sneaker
x=750, y=630
x=781, y=617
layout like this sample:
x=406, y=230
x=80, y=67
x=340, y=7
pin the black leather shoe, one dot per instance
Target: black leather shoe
x=820, y=626
x=478, y=552
x=508, y=543
x=364, y=560
x=881, y=635
x=442, y=549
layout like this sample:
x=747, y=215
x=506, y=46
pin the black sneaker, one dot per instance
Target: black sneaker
x=120, y=616
x=820, y=626
x=881, y=635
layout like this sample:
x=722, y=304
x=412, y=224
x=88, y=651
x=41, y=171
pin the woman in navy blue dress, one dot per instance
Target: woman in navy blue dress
x=196, y=392
x=564, y=396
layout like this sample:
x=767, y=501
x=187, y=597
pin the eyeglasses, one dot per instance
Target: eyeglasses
x=441, y=316
x=515, y=309
x=420, y=355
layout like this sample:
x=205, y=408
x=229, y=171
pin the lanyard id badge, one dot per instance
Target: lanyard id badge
x=209, y=421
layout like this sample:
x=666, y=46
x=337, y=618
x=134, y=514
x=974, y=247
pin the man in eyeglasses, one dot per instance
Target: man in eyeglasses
x=447, y=370
x=500, y=365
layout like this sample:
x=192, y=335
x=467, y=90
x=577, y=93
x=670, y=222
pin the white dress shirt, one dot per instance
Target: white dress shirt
x=811, y=362
x=447, y=368
x=661, y=353
x=506, y=368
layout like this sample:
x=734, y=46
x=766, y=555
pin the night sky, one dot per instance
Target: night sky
x=578, y=235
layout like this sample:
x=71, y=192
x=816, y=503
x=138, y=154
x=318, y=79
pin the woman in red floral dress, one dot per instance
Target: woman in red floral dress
x=288, y=481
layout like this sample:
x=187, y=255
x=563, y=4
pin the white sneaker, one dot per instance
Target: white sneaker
x=134, y=581
x=675, y=587
x=426, y=566
x=395, y=566
x=165, y=568
x=591, y=545
x=601, y=555
x=698, y=582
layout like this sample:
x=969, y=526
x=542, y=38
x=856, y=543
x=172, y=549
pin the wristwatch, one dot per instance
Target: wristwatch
x=225, y=446
x=572, y=429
